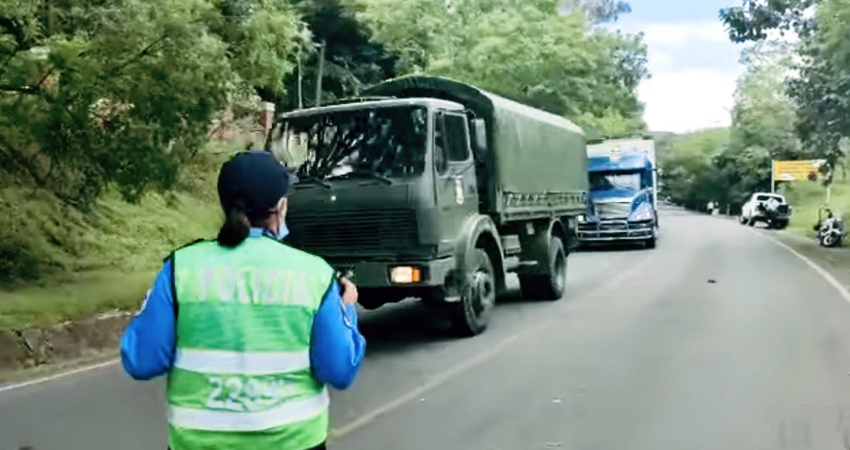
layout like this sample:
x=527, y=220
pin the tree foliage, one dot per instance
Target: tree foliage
x=94, y=92
x=818, y=88
x=121, y=92
x=736, y=163
x=755, y=19
x=794, y=100
x=689, y=177
x=536, y=52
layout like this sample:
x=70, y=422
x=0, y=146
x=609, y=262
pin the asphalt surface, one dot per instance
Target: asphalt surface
x=717, y=339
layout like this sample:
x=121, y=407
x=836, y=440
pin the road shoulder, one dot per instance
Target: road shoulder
x=836, y=261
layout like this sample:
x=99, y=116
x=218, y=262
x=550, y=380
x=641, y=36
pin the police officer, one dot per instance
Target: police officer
x=248, y=330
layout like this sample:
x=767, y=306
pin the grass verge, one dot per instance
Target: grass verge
x=58, y=263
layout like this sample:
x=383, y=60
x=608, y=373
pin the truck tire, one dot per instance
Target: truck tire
x=780, y=224
x=552, y=286
x=650, y=243
x=472, y=314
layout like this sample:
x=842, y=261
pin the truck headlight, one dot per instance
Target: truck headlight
x=582, y=218
x=641, y=215
x=405, y=275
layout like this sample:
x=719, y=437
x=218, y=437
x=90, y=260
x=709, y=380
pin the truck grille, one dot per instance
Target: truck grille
x=351, y=233
x=613, y=210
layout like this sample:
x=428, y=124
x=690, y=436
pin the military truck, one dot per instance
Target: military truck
x=431, y=188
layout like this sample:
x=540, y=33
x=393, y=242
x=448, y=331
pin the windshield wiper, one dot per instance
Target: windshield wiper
x=311, y=179
x=363, y=173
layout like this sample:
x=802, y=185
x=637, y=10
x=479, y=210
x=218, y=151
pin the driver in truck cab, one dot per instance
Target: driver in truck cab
x=249, y=330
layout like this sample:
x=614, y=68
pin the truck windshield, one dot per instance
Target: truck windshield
x=607, y=181
x=388, y=142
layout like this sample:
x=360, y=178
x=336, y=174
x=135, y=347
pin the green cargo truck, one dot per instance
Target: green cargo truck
x=436, y=189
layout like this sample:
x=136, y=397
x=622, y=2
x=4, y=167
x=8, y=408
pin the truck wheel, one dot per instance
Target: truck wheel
x=552, y=286
x=780, y=224
x=472, y=314
x=650, y=243
x=751, y=222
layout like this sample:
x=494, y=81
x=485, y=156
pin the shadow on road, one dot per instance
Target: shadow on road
x=394, y=328
x=608, y=248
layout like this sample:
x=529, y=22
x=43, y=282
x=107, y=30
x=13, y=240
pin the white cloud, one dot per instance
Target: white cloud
x=682, y=34
x=661, y=59
x=688, y=100
x=694, y=69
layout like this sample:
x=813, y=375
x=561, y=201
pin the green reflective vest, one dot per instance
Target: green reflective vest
x=241, y=376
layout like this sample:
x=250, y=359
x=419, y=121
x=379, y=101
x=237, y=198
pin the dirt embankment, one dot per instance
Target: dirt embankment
x=61, y=344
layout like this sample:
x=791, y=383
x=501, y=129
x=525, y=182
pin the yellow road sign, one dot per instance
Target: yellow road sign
x=801, y=170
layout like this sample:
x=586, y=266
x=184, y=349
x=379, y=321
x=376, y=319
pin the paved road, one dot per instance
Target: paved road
x=655, y=358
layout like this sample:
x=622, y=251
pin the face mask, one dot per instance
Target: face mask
x=282, y=231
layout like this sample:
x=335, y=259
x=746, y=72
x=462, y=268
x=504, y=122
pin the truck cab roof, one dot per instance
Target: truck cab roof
x=382, y=103
x=626, y=161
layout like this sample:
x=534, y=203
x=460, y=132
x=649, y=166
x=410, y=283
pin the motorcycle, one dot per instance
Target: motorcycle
x=831, y=231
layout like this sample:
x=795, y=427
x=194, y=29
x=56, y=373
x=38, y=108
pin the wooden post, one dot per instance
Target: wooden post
x=320, y=74
x=772, y=176
x=267, y=117
x=300, y=81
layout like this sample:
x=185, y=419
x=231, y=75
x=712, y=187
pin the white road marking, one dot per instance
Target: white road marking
x=58, y=376
x=817, y=268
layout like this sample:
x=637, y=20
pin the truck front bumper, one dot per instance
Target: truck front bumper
x=377, y=274
x=615, y=230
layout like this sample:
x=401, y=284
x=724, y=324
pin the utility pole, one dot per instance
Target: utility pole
x=320, y=74
x=300, y=81
x=772, y=176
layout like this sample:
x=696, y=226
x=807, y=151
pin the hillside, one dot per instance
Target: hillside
x=60, y=263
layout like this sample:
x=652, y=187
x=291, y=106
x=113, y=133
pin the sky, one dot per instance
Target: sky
x=693, y=64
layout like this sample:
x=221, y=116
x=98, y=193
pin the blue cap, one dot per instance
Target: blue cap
x=252, y=180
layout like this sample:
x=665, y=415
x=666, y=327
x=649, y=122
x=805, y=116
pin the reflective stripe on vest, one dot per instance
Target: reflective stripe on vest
x=242, y=360
x=285, y=414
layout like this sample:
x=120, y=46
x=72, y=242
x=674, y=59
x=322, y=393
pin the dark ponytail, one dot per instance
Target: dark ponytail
x=236, y=227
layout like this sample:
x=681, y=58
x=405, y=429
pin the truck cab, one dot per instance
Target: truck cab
x=380, y=182
x=622, y=200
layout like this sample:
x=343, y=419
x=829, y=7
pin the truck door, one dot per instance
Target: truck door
x=454, y=167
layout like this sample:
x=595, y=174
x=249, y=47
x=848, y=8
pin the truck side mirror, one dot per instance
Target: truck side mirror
x=479, y=137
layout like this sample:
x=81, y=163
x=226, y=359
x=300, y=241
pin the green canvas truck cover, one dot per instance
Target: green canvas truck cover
x=538, y=161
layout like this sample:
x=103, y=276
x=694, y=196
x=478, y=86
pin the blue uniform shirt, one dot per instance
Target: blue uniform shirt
x=148, y=344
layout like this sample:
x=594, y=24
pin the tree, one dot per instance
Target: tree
x=819, y=91
x=353, y=60
x=529, y=51
x=598, y=11
x=95, y=92
x=756, y=18
x=689, y=174
x=763, y=114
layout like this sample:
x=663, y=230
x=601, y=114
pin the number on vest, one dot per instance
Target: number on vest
x=248, y=393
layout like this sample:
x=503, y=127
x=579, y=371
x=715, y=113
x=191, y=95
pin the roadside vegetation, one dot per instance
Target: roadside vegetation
x=791, y=103
x=112, y=112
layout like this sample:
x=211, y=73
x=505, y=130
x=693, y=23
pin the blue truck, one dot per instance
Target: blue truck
x=623, y=200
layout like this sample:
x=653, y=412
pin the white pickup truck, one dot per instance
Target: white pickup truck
x=771, y=209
